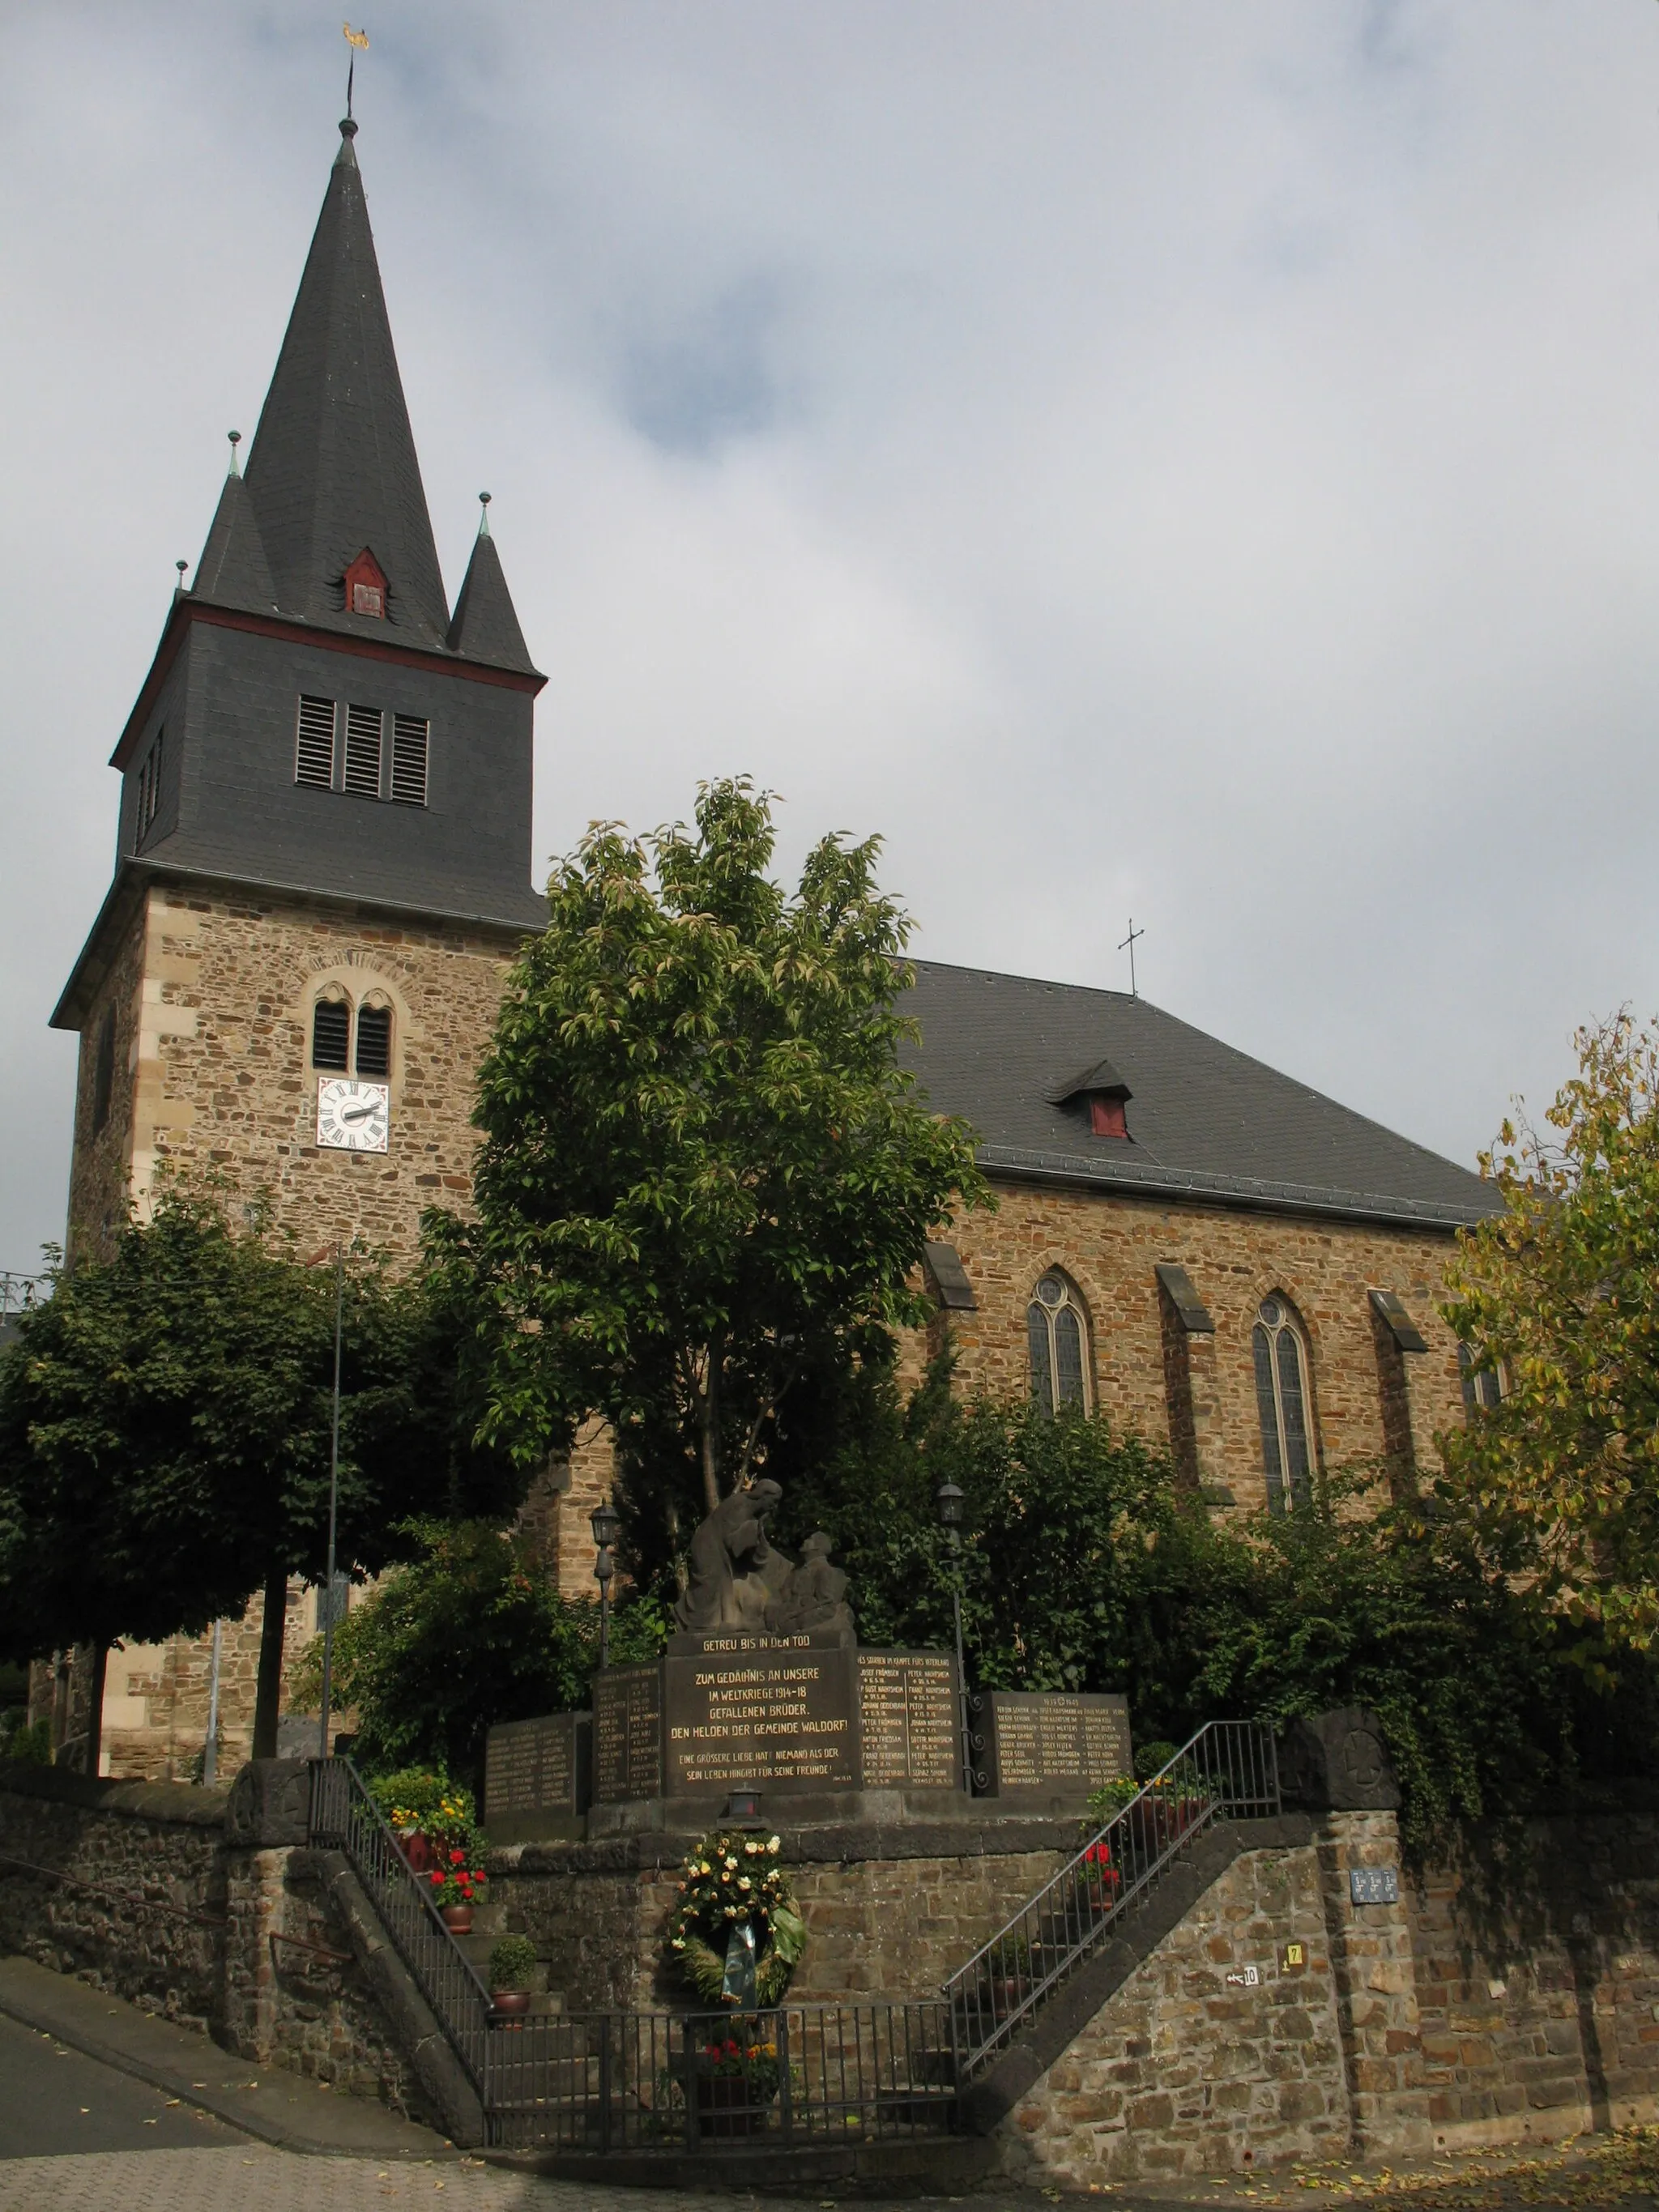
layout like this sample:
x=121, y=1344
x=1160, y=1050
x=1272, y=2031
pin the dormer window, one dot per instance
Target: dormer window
x=1106, y=1113
x=1106, y=1094
x=365, y=586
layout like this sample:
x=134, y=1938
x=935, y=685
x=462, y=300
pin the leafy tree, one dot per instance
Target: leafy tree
x=1559, y=1295
x=704, y=1173
x=470, y=1632
x=165, y=1438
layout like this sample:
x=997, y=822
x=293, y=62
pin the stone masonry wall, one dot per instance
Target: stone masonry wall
x=1537, y=1981
x=143, y=1912
x=881, y=1922
x=1110, y=1247
x=1185, y=2071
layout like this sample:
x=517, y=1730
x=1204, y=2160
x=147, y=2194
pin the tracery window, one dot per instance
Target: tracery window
x=1057, y=1335
x=348, y=1039
x=1283, y=1399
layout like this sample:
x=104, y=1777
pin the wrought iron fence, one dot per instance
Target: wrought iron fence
x=793, y=2076
x=344, y=1815
x=1230, y=1770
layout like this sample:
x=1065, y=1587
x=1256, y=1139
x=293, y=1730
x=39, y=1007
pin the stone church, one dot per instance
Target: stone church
x=323, y=872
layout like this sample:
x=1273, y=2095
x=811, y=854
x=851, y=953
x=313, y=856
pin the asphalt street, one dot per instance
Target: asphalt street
x=54, y=2102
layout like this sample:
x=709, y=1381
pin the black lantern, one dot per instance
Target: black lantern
x=947, y=1498
x=606, y=1523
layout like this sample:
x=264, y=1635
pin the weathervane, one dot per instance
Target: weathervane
x=358, y=41
x=1129, y=941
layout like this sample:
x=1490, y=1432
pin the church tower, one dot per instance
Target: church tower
x=322, y=874
x=323, y=849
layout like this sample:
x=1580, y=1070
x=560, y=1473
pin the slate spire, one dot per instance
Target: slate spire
x=333, y=471
x=486, y=627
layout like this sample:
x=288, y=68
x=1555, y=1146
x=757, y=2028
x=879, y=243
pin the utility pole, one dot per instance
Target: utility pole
x=333, y=1499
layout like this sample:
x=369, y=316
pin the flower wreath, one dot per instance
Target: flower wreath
x=731, y=1877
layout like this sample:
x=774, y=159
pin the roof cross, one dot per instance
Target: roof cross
x=1129, y=941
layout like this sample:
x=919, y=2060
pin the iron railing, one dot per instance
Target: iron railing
x=1229, y=1771
x=793, y=2076
x=344, y=1816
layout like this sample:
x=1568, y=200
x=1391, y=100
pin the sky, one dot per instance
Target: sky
x=1197, y=461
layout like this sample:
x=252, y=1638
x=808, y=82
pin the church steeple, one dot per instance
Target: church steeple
x=333, y=472
x=486, y=627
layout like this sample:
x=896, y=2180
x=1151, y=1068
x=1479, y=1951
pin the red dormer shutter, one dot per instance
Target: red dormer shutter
x=365, y=586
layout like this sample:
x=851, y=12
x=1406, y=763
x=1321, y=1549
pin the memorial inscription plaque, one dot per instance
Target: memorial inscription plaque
x=761, y=1711
x=1050, y=1749
x=910, y=1722
x=538, y=1777
x=627, y=1734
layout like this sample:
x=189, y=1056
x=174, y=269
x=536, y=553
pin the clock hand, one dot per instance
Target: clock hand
x=359, y=1113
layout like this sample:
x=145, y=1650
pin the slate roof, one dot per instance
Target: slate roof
x=1205, y=1122
x=485, y=627
x=332, y=469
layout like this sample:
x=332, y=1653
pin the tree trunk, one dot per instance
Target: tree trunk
x=269, y=1695
x=95, y=1707
x=709, y=1423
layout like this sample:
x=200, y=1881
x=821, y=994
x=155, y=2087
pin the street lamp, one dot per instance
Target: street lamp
x=606, y=1523
x=947, y=1501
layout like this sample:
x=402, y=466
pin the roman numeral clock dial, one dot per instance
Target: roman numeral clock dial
x=353, y=1117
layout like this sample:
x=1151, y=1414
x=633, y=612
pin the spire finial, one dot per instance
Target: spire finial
x=483, y=514
x=181, y=566
x=235, y=437
x=358, y=42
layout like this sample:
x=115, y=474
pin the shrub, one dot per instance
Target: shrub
x=512, y=1963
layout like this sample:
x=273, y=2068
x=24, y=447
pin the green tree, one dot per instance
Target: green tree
x=469, y=1633
x=704, y=1174
x=1559, y=1294
x=165, y=1438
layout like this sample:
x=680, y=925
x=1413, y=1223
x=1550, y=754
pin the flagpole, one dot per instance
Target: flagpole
x=333, y=1499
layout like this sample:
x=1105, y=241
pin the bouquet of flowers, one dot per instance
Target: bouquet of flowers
x=428, y=1813
x=732, y=1878
x=756, y=2064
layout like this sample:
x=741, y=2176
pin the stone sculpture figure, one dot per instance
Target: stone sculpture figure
x=735, y=1573
x=814, y=1596
x=739, y=1580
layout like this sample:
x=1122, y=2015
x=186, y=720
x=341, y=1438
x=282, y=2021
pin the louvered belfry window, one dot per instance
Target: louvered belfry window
x=362, y=751
x=331, y=1030
x=314, y=754
x=374, y=1041
x=150, y=786
x=409, y=749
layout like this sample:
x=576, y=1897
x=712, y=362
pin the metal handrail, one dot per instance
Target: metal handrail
x=1229, y=1769
x=344, y=1814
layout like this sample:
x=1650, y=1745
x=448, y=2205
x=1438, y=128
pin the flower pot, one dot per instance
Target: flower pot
x=509, y=2004
x=728, y=2105
x=419, y=1851
x=458, y=1918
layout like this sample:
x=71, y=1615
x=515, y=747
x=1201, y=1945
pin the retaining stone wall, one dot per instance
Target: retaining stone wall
x=1184, y=2072
x=150, y=1926
x=1537, y=1981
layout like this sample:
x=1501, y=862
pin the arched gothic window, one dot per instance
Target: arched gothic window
x=1057, y=1333
x=1483, y=1387
x=348, y=1040
x=1283, y=1399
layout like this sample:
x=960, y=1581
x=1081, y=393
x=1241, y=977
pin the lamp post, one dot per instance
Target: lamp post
x=333, y=1501
x=605, y=1522
x=947, y=1500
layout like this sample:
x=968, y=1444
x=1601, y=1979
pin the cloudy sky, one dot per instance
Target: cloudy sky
x=1192, y=458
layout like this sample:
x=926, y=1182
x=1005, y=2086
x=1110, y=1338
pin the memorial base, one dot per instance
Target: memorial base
x=693, y=1816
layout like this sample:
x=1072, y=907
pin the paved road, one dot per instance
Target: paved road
x=53, y=2100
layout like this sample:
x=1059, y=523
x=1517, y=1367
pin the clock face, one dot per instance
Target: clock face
x=353, y=1117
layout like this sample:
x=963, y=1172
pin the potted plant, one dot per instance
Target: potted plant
x=512, y=1965
x=735, y=2080
x=457, y=1884
x=428, y=1813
